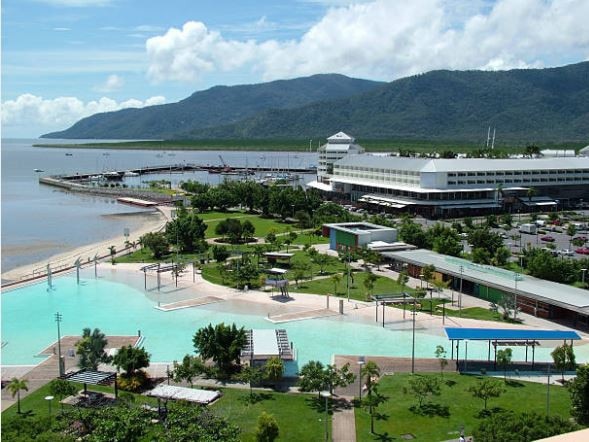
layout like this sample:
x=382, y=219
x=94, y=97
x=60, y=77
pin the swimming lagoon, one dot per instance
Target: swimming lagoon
x=28, y=325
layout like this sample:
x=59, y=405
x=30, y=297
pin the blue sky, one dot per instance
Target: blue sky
x=63, y=60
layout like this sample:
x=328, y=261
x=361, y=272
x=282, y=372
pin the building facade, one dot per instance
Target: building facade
x=336, y=148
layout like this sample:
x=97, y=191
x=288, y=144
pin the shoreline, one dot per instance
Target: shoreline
x=86, y=253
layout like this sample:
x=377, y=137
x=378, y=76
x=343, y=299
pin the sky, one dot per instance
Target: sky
x=63, y=60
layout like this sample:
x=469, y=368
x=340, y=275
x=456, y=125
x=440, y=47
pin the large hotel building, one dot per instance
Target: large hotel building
x=449, y=187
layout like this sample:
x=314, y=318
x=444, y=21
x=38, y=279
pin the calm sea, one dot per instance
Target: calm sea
x=39, y=221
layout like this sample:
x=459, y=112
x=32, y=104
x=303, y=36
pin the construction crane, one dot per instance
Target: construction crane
x=226, y=167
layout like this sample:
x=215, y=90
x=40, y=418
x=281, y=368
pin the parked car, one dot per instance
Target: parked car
x=582, y=251
x=547, y=238
x=566, y=252
x=580, y=238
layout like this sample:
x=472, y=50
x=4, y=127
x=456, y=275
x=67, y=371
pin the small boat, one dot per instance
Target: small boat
x=38, y=170
x=130, y=173
x=69, y=154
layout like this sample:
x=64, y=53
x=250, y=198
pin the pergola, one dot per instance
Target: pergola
x=403, y=298
x=93, y=378
x=158, y=268
x=498, y=337
x=273, y=257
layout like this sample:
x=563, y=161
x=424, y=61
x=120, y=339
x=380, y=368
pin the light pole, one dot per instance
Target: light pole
x=413, y=341
x=548, y=393
x=58, y=319
x=460, y=294
x=348, y=273
x=515, y=278
x=421, y=281
x=326, y=394
x=583, y=276
x=361, y=363
x=465, y=354
x=49, y=399
x=174, y=215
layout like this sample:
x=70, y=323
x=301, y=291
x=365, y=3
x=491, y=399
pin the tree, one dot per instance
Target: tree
x=424, y=386
x=231, y=229
x=274, y=368
x=402, y=279
x=299, y=270
x=15, y=386
x=251, y=375
x=441, y=356
x=371, y=371
x=61, y=388
x=312, y=377
x=188, y=369
x=188, y=230
x=486, y=389
x=504, y=359
x=531, y=192
x=520, y=427
x=90, y=349
x=248, y=230
x=112, y=250
x=267, y=429
x=321, y=260
x=564, y=358
x=245, y=271
x=220, y=253
x=271, y=237
x=157, y=243
x=336, y=278
x=221, y=343
x=579, y=392
x=369, y=283
x=338, y=377
x=130, y=359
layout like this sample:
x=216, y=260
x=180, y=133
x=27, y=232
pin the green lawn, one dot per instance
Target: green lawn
x=297, y=415
x=463, y=409
x=262, y=225
x=357, y=290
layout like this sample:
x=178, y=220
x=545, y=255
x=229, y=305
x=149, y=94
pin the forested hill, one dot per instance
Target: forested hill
x=525, y=105
x=217, y=106
x=531, y=105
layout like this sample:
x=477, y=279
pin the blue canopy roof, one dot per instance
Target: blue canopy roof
x=502, y=334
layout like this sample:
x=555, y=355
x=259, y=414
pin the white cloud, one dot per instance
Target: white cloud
x=62, y=29
x=112, y=83
x=383, y=39
x=59, y=113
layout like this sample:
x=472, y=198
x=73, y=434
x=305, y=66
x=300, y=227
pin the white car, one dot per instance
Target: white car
x=566, y=252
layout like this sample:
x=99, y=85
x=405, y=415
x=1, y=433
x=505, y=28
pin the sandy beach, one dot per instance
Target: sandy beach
x=87, y=252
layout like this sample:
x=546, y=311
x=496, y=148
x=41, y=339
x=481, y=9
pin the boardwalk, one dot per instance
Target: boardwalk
x=343, y=424
x=300, y=316
x=188, y=303
x=47, y=370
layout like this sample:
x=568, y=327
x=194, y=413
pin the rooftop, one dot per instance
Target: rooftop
x=566, y=296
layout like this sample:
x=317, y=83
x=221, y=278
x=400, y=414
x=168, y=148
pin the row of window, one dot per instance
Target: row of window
x=521, y=181
x=521, y=172
x=377, y=170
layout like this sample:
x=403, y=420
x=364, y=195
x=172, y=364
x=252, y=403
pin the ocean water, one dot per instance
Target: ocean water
x=39, y=221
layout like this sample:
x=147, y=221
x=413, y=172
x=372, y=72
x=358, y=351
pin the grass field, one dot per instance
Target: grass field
x=297, y=415
x=462, y=408
x=300, y=416
x=357, y=289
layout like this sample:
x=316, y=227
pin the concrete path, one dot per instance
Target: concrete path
x=343, y=424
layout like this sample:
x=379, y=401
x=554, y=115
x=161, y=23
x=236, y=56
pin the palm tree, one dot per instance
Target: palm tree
x=370, y=371
x=90, y=349
x=531, y=193
x=336, y=279
x=113, y=251
x=15, y=386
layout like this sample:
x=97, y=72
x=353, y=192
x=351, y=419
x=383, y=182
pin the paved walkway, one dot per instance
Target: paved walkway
x=300, y=316
x=343, y=424
x=41, y=374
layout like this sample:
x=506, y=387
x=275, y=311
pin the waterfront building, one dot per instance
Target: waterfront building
x=457, y=186
x=336, y=148
x=357, y=235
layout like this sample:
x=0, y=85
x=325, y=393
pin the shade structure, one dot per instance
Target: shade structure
x=186, y=394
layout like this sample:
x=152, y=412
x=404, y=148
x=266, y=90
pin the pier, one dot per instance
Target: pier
x=180, y=168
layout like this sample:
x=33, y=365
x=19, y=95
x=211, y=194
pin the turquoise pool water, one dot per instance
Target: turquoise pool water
x=28, y=325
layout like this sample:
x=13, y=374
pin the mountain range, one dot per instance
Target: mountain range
x=524, y=105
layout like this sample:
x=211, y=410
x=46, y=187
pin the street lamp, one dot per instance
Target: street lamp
x=413, y=341
x=583, y=276
x=49, y=399
x=58, y=319
x=348, y=273
x=465, y=354
x=460, y=294
x=361, y=363
x=421, y=281
x=515, y=278
x=326, y=395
